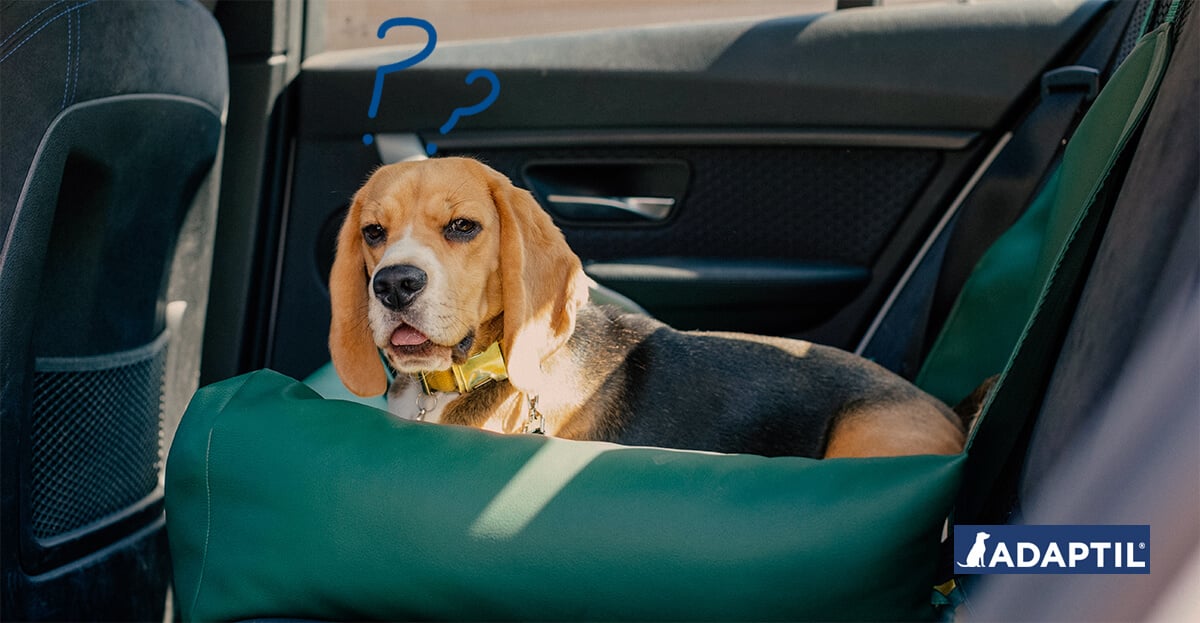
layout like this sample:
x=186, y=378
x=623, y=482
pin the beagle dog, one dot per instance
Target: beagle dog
x=480, y=310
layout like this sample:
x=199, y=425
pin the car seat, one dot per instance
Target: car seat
x=112, y=116
x=1115, y=442
x=995, y=300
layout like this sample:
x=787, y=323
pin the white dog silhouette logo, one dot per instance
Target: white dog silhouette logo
x=975, y=556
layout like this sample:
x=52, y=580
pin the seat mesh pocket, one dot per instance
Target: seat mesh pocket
x=96, y=436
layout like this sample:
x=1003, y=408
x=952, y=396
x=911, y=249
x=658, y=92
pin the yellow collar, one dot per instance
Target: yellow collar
x=479, y=370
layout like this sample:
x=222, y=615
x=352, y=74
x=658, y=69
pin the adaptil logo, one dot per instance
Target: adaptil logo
x=1052, y=549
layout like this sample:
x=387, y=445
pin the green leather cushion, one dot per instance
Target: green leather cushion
x=284, y=504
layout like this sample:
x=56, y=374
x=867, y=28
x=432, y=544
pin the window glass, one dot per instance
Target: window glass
x=344, y=24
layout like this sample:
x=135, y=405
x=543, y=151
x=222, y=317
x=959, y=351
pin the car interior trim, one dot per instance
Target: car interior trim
x=951, y=140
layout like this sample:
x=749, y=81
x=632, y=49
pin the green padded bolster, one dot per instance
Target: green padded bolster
x=280, y=503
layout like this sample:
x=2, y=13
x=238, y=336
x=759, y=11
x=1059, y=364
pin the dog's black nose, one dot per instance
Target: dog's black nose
x=397, y=286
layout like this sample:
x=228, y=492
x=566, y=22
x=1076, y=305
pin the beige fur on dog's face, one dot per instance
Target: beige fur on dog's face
x=497, y=270
x=445, y=225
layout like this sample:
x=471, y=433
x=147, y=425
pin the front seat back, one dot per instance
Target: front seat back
x=112, y=116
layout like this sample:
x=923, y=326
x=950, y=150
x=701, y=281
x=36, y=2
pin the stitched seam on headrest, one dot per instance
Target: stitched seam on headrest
x=51, y=21
x=30, y=21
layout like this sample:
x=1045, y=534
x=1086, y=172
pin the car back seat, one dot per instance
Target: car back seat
x=997, y=311
x=1038, y=267
x=998, y=296
x=1053, y=245
x=1115, y=442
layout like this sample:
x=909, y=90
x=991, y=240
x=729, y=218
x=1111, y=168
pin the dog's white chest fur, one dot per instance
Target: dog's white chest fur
x=406, y=399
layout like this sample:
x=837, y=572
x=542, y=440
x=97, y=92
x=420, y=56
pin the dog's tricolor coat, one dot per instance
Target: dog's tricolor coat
x=440, y=260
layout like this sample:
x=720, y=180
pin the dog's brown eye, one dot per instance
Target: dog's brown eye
x=461, y=229
x=374, y=234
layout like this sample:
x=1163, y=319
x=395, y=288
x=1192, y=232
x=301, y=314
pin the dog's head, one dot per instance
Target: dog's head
x=436, y=260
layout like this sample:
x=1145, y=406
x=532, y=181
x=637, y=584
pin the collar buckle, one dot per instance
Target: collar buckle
x=481, y=369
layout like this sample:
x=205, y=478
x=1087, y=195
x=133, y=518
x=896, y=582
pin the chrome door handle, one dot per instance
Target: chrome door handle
x=649, y=208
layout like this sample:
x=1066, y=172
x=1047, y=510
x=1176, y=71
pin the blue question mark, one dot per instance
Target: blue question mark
x=465, y=111
x=404, y=64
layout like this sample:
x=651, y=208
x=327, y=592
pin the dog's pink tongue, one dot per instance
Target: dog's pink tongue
x=408, y=336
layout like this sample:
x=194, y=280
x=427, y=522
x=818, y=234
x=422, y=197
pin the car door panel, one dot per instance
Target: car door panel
x=817, y=152
x=948, y=67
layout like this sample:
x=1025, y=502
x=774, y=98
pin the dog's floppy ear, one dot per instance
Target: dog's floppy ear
x=354, y=354
x=542, y=282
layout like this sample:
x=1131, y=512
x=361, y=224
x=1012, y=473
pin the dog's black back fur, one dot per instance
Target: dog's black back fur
x=725, y=392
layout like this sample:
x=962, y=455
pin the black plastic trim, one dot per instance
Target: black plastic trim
x=782, y=137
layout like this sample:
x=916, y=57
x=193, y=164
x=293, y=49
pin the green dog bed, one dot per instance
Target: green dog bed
x=281, y=503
